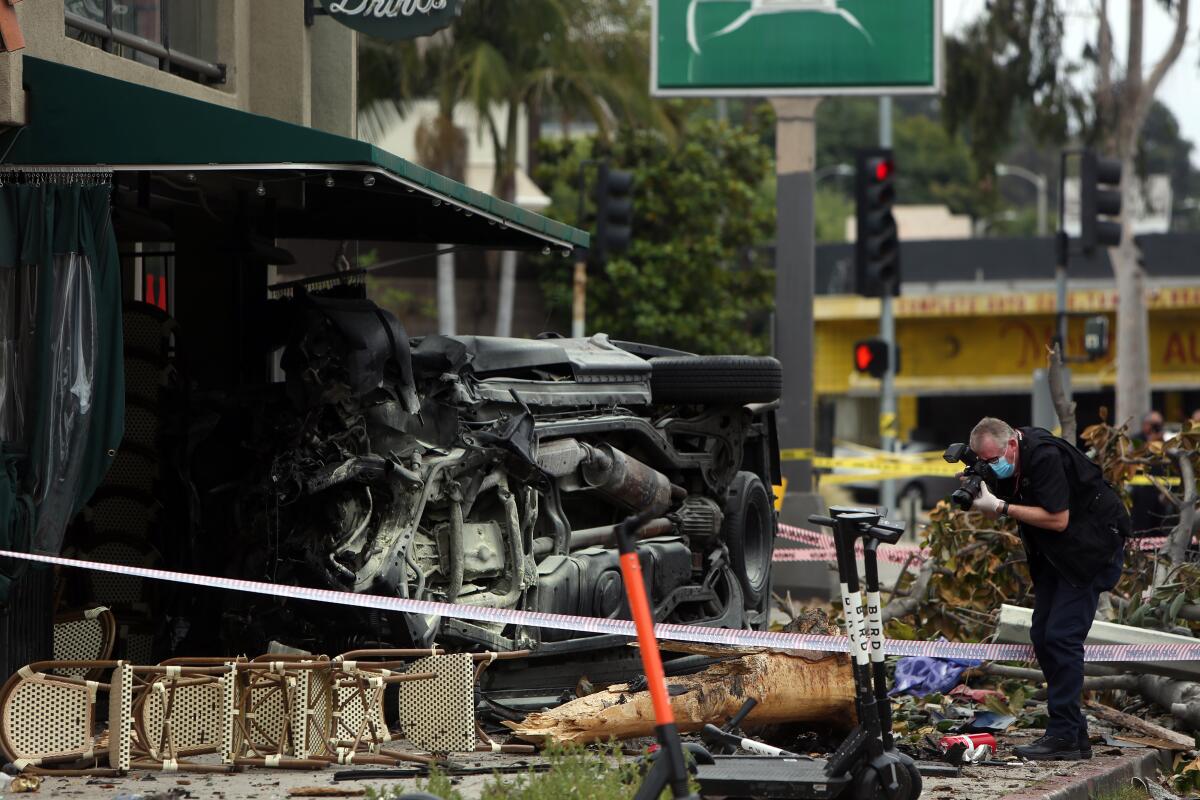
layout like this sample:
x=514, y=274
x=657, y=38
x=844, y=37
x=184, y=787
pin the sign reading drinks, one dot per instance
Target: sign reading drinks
x=795, y=47
x=394, y=19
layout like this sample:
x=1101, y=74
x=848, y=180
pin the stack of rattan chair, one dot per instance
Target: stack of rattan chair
x=274, y=711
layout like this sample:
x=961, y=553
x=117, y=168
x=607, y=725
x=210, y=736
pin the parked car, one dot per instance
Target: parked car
x=492, y=471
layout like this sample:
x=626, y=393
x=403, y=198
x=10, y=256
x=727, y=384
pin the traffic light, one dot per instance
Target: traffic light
x=877, y=245
x=614, y=212
x=1099, y=197
x=871, y=357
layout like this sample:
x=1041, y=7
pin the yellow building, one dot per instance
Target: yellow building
x=960, y=353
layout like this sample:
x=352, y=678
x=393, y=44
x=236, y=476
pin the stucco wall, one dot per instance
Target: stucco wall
x=271, y=59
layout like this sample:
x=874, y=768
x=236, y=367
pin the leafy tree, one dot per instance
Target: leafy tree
x=692, y=278
x=506, y=58
x=934, y=165
x=833, y=208
x=1011, y=61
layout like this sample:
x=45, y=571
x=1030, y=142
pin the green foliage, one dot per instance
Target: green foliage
x=1124, y=793
x=1008, y=61
x=832, y=209
x=402, y=303
x=980, y=563
x=979, y=566
x=934, y=166
x=575, y=772
x=691, y=278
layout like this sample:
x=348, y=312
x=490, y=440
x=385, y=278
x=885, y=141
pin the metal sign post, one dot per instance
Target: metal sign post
x=888, y=427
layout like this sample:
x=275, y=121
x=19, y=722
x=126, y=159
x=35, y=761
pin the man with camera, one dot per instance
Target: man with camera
x=1074, y=526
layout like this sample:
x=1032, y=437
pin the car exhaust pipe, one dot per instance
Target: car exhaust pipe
x=625, y=481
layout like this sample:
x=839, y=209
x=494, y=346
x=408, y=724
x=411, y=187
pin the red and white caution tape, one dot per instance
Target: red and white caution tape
x=823, y=545
x=595, y=625
x=821, y=548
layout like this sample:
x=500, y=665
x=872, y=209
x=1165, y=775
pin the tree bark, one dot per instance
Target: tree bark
x=1182, y=698
x=447, y=302
x=788, y=688
x=1174, y=549
x=1133, y=317
x=1064, y=406
x=505, y=301
x=505, y=185
x=917, y=595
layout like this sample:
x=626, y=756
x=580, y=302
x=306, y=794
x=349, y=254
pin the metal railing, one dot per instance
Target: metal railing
x=109, y=36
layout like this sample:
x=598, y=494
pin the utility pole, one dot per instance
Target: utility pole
x=888, y=427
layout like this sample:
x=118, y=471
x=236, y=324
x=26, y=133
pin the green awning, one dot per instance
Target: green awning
x=80, y=119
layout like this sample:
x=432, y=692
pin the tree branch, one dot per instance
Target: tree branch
x=1064, y=407
x=903, y=606
x=1132, y=89
x=1104, y=62
x=1168, y=58
x=1172, y=553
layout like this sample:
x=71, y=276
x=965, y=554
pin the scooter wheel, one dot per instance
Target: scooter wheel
x=914, y=774
x=870, y=785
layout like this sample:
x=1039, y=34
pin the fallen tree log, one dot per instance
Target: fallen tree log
x=799, y=687
x=1181, y=698
x=1115, y=717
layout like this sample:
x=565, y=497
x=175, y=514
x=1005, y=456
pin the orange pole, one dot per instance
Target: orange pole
x=643, y=620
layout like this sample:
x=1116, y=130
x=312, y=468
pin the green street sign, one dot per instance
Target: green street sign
x=713, y=48
x=394, y=19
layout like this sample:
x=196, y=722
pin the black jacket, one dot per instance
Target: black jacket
x=1098, y=522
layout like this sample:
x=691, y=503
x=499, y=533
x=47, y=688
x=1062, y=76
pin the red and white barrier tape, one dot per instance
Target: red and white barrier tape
x=823, y=544
x=822, y=549
x=685, y=633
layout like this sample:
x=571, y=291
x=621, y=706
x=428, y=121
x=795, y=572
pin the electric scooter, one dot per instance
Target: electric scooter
x=866, y=766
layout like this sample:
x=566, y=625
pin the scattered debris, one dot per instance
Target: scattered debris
x=1177, y=740
x=325, y=791
x=21, y=784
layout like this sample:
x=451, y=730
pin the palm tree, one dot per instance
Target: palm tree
x=579, y=54
x=586, y=57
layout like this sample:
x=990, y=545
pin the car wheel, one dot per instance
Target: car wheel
x=749, y=533
x=913, y=491
x=724, y=380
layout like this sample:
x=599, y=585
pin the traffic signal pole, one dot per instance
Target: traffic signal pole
x=795, y=257
x=888, y=427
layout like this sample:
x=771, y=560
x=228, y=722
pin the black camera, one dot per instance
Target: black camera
x=975, y=473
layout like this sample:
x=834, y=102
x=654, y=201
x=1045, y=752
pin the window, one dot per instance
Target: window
x=174, y=35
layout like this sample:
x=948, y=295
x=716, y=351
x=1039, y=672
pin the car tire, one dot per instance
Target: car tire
x=910, y=490
x=749, y=532
x=723, y=380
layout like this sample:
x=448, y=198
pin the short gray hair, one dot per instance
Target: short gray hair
x=998, y=429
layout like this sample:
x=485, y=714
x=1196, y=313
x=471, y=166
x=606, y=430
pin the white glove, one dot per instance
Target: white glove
x=987, y=502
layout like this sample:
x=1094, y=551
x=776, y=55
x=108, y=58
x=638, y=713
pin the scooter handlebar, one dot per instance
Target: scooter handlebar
x=887, y=532
x=819, y=519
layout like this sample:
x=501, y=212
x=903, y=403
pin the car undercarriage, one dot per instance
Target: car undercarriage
x=492, y=472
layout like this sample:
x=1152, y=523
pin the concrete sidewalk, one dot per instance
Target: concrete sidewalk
x=1021, y=781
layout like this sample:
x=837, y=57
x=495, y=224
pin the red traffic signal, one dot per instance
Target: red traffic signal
x=871, y=357
x=883, y=169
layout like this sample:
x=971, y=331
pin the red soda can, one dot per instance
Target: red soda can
x=980, y=746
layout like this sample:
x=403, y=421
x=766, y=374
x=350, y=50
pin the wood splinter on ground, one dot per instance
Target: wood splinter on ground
x=793, y=686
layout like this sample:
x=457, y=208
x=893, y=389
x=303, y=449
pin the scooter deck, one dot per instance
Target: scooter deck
x=769, y=776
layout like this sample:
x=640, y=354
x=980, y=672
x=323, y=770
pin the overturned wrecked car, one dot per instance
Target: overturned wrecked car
x=491, y=471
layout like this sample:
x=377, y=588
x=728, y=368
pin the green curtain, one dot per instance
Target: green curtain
x=62, y=401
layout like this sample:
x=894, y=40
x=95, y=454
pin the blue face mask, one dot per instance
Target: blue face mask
x=1003, y=468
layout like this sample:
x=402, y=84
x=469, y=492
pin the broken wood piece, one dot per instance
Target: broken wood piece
x=1132, y=723
x=788, y=689
x=1150, y=741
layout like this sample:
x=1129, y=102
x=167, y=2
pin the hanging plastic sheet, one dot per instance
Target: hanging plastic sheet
x=61, y=375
